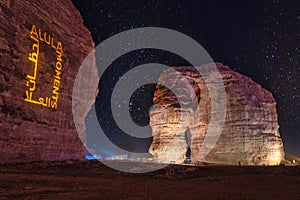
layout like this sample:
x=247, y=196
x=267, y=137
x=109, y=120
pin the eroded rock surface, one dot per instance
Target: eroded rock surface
x=43, y=44
x=250, y=133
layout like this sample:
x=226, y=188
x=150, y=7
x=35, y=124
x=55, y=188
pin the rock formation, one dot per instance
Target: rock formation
x=43, y=44
x=250, y=133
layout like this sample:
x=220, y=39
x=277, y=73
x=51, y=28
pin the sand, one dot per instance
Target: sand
x=93, y=180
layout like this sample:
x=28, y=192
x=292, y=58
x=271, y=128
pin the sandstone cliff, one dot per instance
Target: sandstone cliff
x=43, y=44
x=250, y=133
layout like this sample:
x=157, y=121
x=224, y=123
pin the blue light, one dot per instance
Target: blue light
x=92, y=157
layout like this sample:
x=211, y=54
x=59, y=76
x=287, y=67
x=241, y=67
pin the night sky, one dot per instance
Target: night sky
x=260, y=39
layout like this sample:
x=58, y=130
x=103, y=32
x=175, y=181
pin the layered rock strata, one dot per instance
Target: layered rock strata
x=43, y=44
x=249, y=135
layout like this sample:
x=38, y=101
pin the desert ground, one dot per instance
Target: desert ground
x=93, y=180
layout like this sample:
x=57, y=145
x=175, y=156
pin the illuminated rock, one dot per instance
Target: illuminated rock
x=43, y=44
x=250, y=134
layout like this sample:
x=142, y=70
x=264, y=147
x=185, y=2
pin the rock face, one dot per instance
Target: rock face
x=250, y=133
x=43, y=44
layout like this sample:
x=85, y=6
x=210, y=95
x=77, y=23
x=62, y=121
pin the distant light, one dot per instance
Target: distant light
x=294, y=161
x=93, y=157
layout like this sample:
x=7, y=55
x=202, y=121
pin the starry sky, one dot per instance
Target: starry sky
x=260, y=39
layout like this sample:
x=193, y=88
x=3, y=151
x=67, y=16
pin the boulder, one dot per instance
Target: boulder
x=249, y=135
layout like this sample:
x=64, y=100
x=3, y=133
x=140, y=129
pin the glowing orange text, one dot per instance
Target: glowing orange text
x=37, y=36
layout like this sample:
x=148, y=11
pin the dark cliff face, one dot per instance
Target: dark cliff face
x=43, y=44
x=250, y=133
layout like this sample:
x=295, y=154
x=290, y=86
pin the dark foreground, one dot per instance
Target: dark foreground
x=93, y=180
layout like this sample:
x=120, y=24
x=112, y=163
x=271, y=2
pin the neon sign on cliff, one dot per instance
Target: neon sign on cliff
x=51, y=100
